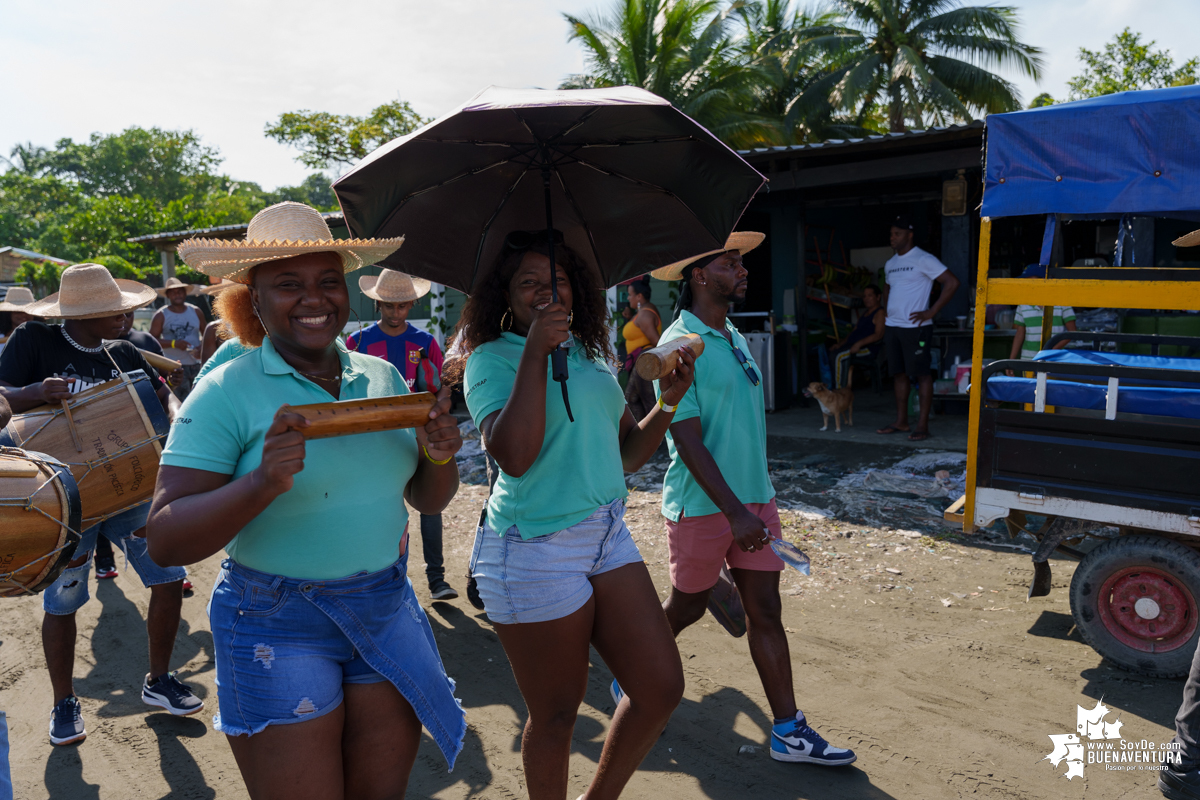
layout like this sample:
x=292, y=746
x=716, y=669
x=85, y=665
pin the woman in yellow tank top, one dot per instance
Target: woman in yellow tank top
x=640, y=332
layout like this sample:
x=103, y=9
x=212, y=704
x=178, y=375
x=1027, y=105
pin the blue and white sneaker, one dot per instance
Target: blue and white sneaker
x=615, y=690
x=166, y=691
x=66, y=722
x=796, y=741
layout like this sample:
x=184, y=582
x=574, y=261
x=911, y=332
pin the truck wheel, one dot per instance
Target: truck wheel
x=1134, y=601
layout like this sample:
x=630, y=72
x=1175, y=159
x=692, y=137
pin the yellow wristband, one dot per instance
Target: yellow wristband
x=665, y=407
x=431, y=461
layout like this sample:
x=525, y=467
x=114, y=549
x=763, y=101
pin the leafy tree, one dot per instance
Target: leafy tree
x=1043, y=99
x=1126, y=64
x=929, y=61
x=119, y=267
x=42, y=278
x=27, y=158
x=326, y=140
x=681, y=50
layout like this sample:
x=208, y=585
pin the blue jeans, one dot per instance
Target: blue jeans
x=286, y=646
x=69, y=592
x=545, y=578
x=6, y=790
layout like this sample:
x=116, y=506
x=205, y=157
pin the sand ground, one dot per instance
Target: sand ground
x=939, y=701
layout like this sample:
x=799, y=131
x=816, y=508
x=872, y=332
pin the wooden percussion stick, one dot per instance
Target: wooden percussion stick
x=160, y=363
x=71, y=424
x=657, y=362
x=346, y=417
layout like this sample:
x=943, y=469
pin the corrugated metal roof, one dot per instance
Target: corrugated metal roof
x=220, y=231
x=829, y=144
x=30, y=254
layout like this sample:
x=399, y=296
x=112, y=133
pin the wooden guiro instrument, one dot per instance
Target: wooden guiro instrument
x=346, y=417
x=161, y=363
x=658, y=362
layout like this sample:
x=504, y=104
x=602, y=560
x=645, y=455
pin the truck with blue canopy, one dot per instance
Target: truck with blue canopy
x=1081, y=438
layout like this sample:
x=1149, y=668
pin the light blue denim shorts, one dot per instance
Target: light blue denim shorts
x=545, y=578
x=69, y=592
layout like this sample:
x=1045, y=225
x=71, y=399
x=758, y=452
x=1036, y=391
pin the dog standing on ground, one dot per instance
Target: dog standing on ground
x=833, y=401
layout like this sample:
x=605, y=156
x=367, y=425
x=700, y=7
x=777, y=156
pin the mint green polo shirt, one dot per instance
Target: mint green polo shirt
x=733, y=420
x=345, y=512
x=228, y=351
x=579, y=466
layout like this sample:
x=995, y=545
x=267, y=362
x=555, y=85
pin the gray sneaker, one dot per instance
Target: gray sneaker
x=166, y=691
x=66, y=722
x=440, y=590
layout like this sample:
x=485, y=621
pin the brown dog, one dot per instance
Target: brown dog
x=833, y=401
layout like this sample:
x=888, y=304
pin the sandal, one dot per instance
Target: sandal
x=891, y=429
x=919, y=436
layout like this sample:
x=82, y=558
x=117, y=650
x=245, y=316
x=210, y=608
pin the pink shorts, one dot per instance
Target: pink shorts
x=699, y=545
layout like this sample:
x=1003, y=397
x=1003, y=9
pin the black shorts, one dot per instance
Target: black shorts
x=908, y=350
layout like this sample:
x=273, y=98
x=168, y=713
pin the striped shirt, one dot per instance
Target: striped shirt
x=1030, y=318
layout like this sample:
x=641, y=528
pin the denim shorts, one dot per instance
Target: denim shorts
x=69, y=592
x=545, y=578
x=286, y=646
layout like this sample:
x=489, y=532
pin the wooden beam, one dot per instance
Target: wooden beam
x=975, y=401
x=877, y=169
x=1164, y=295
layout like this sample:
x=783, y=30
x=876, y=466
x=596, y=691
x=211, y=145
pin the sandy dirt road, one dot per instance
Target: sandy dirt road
x=939, y=701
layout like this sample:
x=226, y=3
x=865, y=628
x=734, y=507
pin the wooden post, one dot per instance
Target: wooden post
x=977, y=388
x=168, y=263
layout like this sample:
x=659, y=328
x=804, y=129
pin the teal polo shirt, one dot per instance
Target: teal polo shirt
x=228, y=351
x=733, y=418
x=345, y=512
x=579, y=466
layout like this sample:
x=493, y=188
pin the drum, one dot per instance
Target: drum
x=110, y=436
x=39, y=520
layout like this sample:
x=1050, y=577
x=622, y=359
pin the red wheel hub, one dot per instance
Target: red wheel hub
x=1148, y=609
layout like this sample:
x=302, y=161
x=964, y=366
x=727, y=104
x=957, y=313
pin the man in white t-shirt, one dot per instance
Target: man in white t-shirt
x=910, y=275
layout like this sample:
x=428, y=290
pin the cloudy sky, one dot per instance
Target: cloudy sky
x=226, y=68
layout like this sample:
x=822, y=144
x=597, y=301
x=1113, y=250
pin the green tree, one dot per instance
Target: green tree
x=42, y=278
x=1043, y=99
x=1126, y=64
x=681, y=50
x=929, y=61
x=326, y=140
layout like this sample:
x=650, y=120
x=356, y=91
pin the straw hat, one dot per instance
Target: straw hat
x=217, y=288
x=17, y=299
x=1188, y=240
x=281, y=231
x=742, y=241
x=89, y=291
x=175, y=283
x=393, y=287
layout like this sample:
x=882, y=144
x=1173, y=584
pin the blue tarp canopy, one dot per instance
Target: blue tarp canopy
x=1127, y=153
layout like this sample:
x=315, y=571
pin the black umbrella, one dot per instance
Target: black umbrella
x=632, y=183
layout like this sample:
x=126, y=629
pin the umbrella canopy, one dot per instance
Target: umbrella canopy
x=634, y=184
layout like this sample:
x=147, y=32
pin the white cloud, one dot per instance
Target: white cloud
x=226, y=68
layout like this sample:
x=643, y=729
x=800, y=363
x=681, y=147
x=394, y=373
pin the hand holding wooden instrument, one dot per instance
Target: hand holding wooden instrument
x=346, y=417
x=161, y=363
x=657, y=362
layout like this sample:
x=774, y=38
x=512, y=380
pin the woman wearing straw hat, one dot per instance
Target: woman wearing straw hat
x=717, y=495
x=326, y=664
x=555, y=563
x=47, y=364
x=12, y=311
x=417, y=356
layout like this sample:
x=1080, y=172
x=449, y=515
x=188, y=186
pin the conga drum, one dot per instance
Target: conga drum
x=39, y=520
x=110, y=436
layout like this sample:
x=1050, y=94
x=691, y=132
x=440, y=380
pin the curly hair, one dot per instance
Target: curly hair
x=484, y=310
x=234, y=307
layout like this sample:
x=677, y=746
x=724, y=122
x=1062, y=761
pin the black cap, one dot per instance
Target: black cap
x=903, y=221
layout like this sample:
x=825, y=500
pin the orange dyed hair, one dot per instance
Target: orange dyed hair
x=234, y=307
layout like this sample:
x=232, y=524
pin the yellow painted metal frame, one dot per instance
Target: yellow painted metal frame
x=1089, y=293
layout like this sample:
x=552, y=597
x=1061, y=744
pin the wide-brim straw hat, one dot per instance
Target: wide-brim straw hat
x=17, y=299
x=1188, y=239
x=175, y=283
x=281, y=231
x=742, y=241
x=391, y=286
x=217, y=288
x=89, y=291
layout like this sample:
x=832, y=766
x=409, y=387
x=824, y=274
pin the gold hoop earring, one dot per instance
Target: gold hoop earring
x=570, y=318
x=507, y=315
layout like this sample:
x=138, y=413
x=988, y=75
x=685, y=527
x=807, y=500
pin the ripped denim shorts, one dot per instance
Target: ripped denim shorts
x=286, y=646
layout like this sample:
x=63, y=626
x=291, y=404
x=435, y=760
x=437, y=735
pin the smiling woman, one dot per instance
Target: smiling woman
x=314, y=531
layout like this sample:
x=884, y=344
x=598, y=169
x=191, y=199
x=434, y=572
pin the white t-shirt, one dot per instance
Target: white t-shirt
x=910, y=277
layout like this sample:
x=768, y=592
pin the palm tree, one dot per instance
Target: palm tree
x=929, y=61
x=680, y=50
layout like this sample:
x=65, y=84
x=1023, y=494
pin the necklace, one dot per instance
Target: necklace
x=337, y=379
x=77, y=345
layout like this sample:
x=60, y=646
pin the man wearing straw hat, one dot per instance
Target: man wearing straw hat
x=47, y=364
x=416, y=355
x=12, y=311
x=178, y=324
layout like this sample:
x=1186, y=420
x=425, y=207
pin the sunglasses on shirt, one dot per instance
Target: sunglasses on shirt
x=745, y=362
